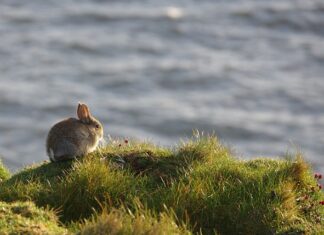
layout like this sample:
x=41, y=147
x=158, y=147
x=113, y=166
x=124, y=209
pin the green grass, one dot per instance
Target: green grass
x=26, y=218
x=122, y=221
x=4, y=173
x=195, y=187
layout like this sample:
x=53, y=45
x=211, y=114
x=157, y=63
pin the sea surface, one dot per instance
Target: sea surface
x=252, y=72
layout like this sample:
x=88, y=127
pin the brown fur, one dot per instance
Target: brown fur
x=73, y=137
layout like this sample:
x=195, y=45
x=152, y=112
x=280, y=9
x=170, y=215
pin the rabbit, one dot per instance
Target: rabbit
x=71, y=138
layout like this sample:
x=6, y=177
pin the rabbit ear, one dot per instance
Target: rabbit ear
x=83, y=113
x=86, y=109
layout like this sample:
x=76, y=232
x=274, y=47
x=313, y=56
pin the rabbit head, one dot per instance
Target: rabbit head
x=86, y=118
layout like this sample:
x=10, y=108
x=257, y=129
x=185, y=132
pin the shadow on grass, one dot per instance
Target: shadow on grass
x=44, y=172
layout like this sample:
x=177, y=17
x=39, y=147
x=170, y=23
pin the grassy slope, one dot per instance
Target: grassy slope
x=196, y=187
x=25, y=218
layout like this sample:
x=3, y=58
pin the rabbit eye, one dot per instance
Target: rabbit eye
x=97, y=126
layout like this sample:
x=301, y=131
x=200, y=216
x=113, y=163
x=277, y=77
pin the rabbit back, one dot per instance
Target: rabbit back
x=68, y=139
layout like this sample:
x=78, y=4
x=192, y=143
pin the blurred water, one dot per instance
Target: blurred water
x=252, y=71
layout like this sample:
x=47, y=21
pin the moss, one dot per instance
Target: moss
x=26, y=218
x=208, y=190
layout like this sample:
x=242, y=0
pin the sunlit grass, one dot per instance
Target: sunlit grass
x=195, y=187
x=4, y=173
x=26, y=218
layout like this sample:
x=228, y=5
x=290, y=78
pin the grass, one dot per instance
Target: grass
x=26, y=218
x=197, y=187
x=4, y=173
x=122, y=221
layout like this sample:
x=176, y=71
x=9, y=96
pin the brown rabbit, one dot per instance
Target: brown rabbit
x=73, y=137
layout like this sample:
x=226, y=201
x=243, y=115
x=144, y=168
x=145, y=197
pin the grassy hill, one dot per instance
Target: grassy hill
x=197, y=187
